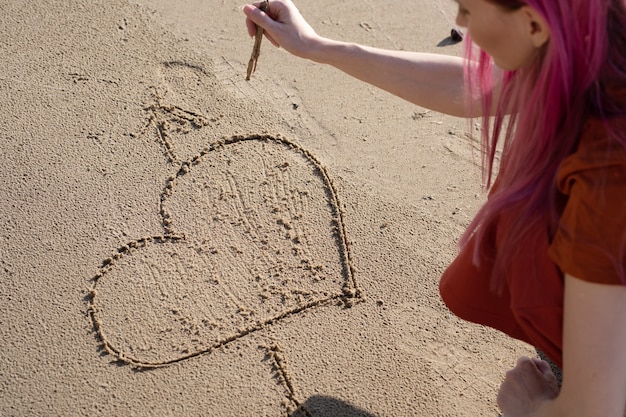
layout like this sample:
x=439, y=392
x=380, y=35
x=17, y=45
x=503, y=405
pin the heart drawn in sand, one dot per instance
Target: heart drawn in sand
x=253, y=233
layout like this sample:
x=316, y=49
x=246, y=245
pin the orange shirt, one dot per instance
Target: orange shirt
x=590, y=244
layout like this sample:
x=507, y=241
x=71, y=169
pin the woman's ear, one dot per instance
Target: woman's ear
x=538, y=28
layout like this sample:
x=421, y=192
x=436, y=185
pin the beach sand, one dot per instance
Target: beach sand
x=177, y=241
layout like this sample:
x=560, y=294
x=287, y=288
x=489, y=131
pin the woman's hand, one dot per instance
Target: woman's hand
x=284, y=26
x=526, y=387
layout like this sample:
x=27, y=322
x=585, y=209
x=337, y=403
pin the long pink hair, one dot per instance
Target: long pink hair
x=549, y=102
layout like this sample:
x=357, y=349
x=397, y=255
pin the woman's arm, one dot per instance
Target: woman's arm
x=594, y=360
x=428, y=80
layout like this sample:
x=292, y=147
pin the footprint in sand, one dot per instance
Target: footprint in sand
x=253, y=233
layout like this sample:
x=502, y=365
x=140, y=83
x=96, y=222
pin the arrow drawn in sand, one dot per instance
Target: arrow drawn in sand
x=253, y=234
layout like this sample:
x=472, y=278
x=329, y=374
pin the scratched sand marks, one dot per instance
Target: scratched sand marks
x=253, y=233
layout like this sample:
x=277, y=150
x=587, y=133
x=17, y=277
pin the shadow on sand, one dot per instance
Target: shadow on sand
x=323, y=406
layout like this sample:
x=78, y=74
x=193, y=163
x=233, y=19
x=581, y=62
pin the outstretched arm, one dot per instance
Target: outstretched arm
x=429, y=80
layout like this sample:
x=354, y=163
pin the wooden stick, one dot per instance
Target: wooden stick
x=256, y=51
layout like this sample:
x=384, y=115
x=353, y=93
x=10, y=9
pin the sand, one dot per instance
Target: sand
x=175, y=240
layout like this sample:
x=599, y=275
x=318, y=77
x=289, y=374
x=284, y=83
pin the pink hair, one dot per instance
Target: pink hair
x=548, y=104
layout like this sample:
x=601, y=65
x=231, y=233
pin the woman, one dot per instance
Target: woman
x=545, y=258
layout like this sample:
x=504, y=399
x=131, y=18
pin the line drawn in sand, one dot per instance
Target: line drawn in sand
x=253, y=233
x=165, y=119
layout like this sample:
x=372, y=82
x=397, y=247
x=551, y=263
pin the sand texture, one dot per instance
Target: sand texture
x=177, y=241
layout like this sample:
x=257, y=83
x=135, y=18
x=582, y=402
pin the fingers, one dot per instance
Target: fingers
x=254, y=17
x=527, y=364
x=283, y=25
x=269, y=38
x=543, y=366
x=534, y=368
x=250, y=25
x=525, y=386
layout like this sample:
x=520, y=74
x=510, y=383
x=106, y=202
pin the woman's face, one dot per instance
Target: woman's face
x=503, y=34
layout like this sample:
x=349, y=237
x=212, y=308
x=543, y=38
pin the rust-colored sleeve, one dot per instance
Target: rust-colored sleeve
x=590, y=242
